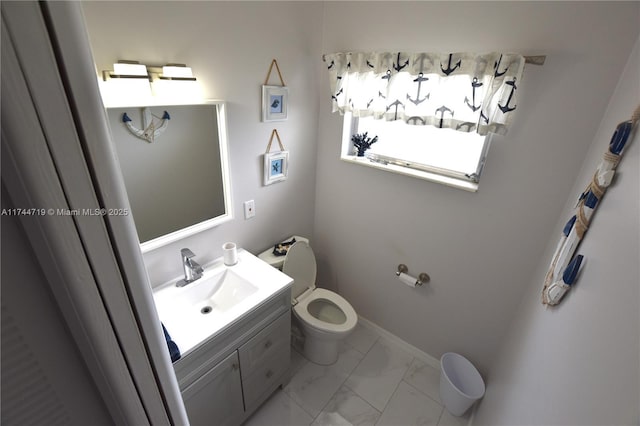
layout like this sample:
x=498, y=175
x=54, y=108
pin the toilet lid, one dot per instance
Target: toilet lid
x=300, y=264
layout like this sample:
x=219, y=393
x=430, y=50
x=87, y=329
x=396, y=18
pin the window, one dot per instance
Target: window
x=426, y=152
x=432, y=112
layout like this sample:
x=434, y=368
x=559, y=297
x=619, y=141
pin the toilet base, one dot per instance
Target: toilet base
x=297, y=338
x=320, y=351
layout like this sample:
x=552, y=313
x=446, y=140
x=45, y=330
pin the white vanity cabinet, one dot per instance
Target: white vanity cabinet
x=227, y=377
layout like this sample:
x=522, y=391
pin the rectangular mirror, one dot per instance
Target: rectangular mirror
x=174, y=160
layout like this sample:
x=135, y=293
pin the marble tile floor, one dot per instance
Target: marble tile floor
x=374, y=382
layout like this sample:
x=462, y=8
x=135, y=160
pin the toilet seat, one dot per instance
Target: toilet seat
x=302, y=311
x=300, y=264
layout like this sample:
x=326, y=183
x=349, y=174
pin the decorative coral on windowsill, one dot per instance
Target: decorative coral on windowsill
x=362, y=142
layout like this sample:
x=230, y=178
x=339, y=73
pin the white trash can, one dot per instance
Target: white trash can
x=460, y=383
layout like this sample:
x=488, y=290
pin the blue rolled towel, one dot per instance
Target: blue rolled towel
x=171, y=345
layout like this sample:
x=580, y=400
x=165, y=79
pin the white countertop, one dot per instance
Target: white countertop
x=188, y=327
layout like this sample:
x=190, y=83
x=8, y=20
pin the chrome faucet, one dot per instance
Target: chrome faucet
x=192, y=269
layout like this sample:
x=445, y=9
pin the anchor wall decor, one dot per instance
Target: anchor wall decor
x=150, y=129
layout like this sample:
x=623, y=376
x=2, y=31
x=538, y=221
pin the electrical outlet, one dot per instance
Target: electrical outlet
x=249, y=209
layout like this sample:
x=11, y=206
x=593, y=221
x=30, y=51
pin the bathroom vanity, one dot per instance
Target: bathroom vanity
x=233, y=329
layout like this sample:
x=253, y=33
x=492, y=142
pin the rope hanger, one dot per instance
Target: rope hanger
x=274, y=62
x=274, y=132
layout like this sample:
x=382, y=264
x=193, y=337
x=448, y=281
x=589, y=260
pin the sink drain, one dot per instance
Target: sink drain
x=206, y=310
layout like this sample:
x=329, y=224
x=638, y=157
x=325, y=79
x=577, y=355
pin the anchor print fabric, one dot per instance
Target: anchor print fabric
x=467, y=92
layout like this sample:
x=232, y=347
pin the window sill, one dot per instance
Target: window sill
x=420, y=174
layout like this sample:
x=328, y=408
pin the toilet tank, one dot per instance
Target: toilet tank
x=277, y=261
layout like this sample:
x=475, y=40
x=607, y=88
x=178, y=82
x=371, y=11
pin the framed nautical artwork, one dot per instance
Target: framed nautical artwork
x=276, y=167
x=275, y=103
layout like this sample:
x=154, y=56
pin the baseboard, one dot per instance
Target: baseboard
x=421, y=355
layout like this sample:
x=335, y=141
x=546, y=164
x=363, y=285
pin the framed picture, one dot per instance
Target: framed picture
x=275, y=103
x=276, y=165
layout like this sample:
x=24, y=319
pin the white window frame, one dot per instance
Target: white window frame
x=430, y=173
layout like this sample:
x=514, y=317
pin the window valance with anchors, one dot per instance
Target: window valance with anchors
x=467, y=92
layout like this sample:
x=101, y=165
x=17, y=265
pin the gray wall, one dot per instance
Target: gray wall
x=230, y=45
x=579, y=363
x=479, y=249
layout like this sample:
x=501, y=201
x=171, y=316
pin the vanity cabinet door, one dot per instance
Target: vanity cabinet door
x=216, y=397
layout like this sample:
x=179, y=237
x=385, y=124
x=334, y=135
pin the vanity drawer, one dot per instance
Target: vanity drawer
x=267, y=374
x=274, y=339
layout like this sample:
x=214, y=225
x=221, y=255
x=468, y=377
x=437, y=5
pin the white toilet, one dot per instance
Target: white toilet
x=325, y=317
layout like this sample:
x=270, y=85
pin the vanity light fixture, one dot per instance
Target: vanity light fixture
x=127, y=84
x=175, y=82
x=133, y=83
x=177, y=72
x=126, y=69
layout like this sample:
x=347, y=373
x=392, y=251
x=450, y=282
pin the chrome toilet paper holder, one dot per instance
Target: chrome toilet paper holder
x=422, y=278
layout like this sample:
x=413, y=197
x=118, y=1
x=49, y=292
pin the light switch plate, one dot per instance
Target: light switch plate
x=249, y=209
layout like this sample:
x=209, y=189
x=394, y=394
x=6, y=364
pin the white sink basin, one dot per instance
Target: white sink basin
x=217, y=293
x=203, y=308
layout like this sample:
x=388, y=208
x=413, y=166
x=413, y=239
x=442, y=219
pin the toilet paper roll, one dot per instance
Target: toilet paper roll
x=407, y=279
x=230, y=254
